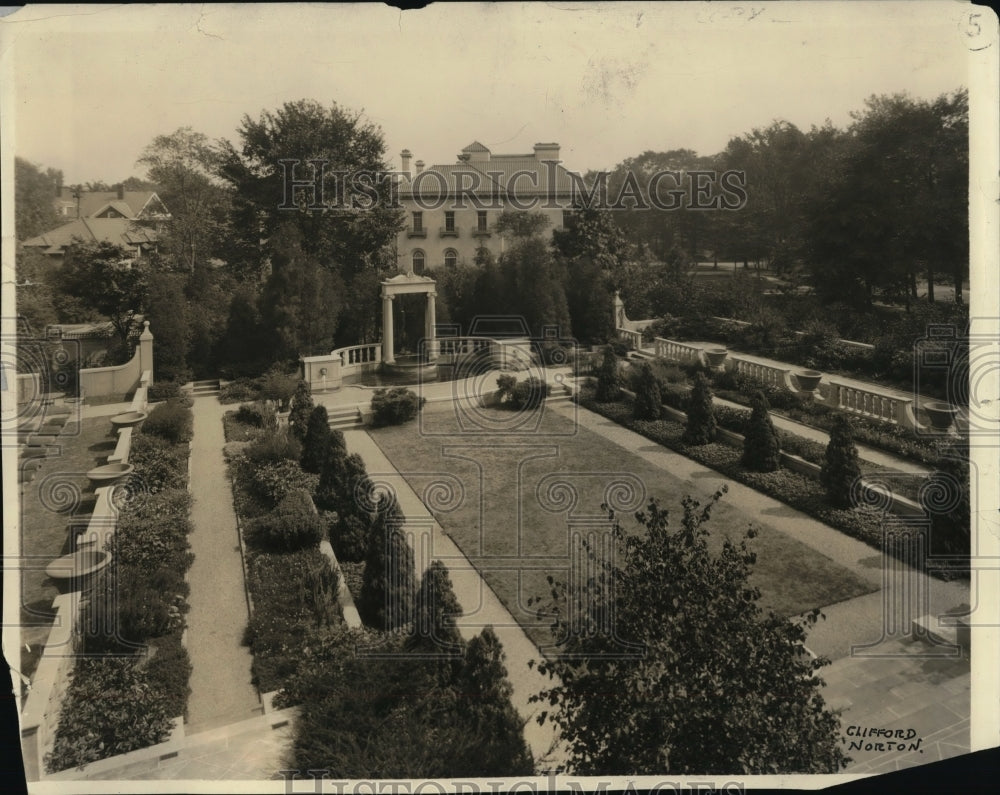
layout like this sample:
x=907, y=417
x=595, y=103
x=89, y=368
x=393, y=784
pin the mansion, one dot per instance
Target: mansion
x=451, y=210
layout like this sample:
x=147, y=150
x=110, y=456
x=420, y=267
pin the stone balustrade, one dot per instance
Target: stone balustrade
x=462, y=346
x=676, y=351
x=634, y=338
x=872, y=404
x=765, y=373
x=370, y=353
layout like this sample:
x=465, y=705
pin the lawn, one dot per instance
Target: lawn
x=59, y=496
x=504, y=527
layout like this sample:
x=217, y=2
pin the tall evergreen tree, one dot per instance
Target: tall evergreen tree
x=434, y=614
x=387, y=590
x=316, y=440
x=761, y=448
x=609, y=380
x=301, y=410
x=841, y=468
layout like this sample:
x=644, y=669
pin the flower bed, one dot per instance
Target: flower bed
x=125, y=694
x=796, y=490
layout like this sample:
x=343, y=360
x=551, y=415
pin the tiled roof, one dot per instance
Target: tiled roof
x=120, y=231
x=95, y=201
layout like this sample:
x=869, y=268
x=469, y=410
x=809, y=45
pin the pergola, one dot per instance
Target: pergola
x=406, y=284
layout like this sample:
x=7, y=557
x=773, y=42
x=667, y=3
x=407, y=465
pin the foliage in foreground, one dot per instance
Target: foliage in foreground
x=648, y=683
x=395, y=406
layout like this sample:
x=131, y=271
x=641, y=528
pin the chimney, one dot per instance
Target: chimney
x=405, y=156
x=420, y=166
x=121, y=192
x=548, y=151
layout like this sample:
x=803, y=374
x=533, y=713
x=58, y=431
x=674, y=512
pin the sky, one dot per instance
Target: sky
x=94, y=84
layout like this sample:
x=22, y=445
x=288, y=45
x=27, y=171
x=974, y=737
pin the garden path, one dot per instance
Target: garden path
x=481, y=605
x=221, y=691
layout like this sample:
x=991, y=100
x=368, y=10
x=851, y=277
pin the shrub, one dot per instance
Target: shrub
x=395, y=406
x=293, y=524
x=316, y=439
x=258, y=415
x=272, y=481
x=648, y=400
x=349, y=537
x=301, y=410
x=841, y=467
x=761, y=449
x=111, y=707
x=240, y=390
x=163, y=390
x=279, y=387
x=171, y=420
x=170, y=669
x=340, y=479
x=609, y=381
x=158, y=464
x=505, y=387
x=272, y=448
x=153, y=533
x=529, y=394
x=700, y=428
x=945, y=497
x=389, y=585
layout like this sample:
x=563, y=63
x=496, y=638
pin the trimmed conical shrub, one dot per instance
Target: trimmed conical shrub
x=700, y=428
x=761, y=448
x=841, y=468
x=609, y=381
x=648, y=399
x=301, y=410
x=315, y=440
x=387, y=590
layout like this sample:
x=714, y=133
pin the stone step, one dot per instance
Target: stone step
x=931, y=630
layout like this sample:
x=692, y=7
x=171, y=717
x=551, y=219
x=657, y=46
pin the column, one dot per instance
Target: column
x=146, y=352
x=387, y=341
x=432, y=346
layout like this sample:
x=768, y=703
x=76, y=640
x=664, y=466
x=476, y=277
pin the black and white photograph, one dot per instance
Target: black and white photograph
x=492, y=397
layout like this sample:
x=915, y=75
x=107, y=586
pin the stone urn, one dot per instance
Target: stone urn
x=941, y=415
x=808, y=380
x=78, y=565
x=714, y=357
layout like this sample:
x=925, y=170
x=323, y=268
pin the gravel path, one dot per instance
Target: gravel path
x=221, y=691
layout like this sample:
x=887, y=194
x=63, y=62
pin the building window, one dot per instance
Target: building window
x=418, y=261
x=450, y=258
x=449, y=221
x=418, y=222
x=481, y=221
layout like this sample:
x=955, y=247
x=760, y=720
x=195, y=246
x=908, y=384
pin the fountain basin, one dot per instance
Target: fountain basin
x=109, y=473
x=78, y=564
x=129, y=419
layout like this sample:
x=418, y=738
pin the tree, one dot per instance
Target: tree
x=387, y=590
x=434, y=614
x=34, y=192
x=488, y=711
x=340, y=238
x=316, y=440
x=761, y=448
x=841, y=468
x=101, y=276
x=700, y=427
x=183, y=166
x=648, y=399
x=341, y=478
x=167, y=311
x=300, y=301
x=609, y=380
x=301, y=409
x=645, y=683
x=245, y=340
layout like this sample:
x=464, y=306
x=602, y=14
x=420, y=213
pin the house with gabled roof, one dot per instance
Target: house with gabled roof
x=451, y=209
x=125, y=218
